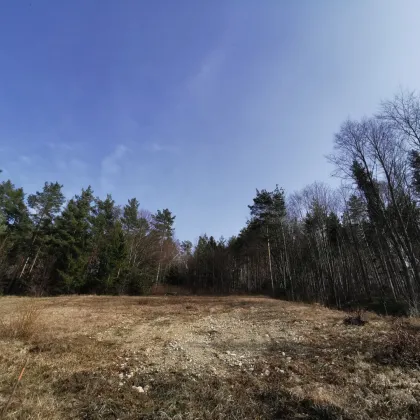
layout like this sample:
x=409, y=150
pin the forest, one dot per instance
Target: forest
x=358, y=243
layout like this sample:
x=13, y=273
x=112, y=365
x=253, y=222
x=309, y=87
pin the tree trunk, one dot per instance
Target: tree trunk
x=269, y=262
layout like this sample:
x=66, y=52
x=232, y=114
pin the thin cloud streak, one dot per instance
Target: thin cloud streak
x=111, y=166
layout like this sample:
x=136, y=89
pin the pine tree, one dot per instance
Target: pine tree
x=131, y=220
x=108, y=251
x=163, y=222
x=163, y=226
x=17, y=231
x=45, y=206
x=267, y=213
x=73, y=243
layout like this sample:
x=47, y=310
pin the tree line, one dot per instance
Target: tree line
x=356, y=243
x=87, y=245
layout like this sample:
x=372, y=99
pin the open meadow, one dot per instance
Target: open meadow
x=97, y=357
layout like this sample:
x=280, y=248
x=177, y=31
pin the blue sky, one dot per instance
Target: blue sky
x=189, y=104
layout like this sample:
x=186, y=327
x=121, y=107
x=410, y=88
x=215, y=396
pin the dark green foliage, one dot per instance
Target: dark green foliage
x=74, y=243
x=15, y=234
x=46, y=204
x=13, y=208
x=109, y=249
x=132, y=222
x=268, y=208
x=163, y=223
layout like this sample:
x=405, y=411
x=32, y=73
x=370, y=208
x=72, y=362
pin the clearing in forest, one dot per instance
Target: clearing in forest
x=202, y=358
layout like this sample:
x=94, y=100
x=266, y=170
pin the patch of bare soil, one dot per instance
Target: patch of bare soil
x=178, y=357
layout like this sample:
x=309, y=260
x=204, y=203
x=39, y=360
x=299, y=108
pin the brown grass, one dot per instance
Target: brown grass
x=202, y=358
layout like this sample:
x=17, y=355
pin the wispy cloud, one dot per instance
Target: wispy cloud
x=111, y=168
x=157, y=147
x=202, y=81
x=25, y=159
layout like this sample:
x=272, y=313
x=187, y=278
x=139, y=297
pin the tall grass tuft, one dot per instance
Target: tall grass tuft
x=23, y=324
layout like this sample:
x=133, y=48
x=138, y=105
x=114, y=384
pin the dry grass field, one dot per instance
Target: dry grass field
x=179, y=358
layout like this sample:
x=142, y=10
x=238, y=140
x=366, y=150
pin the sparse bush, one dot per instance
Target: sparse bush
x=401, y=347
x=357, y=319
x=23, y=324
